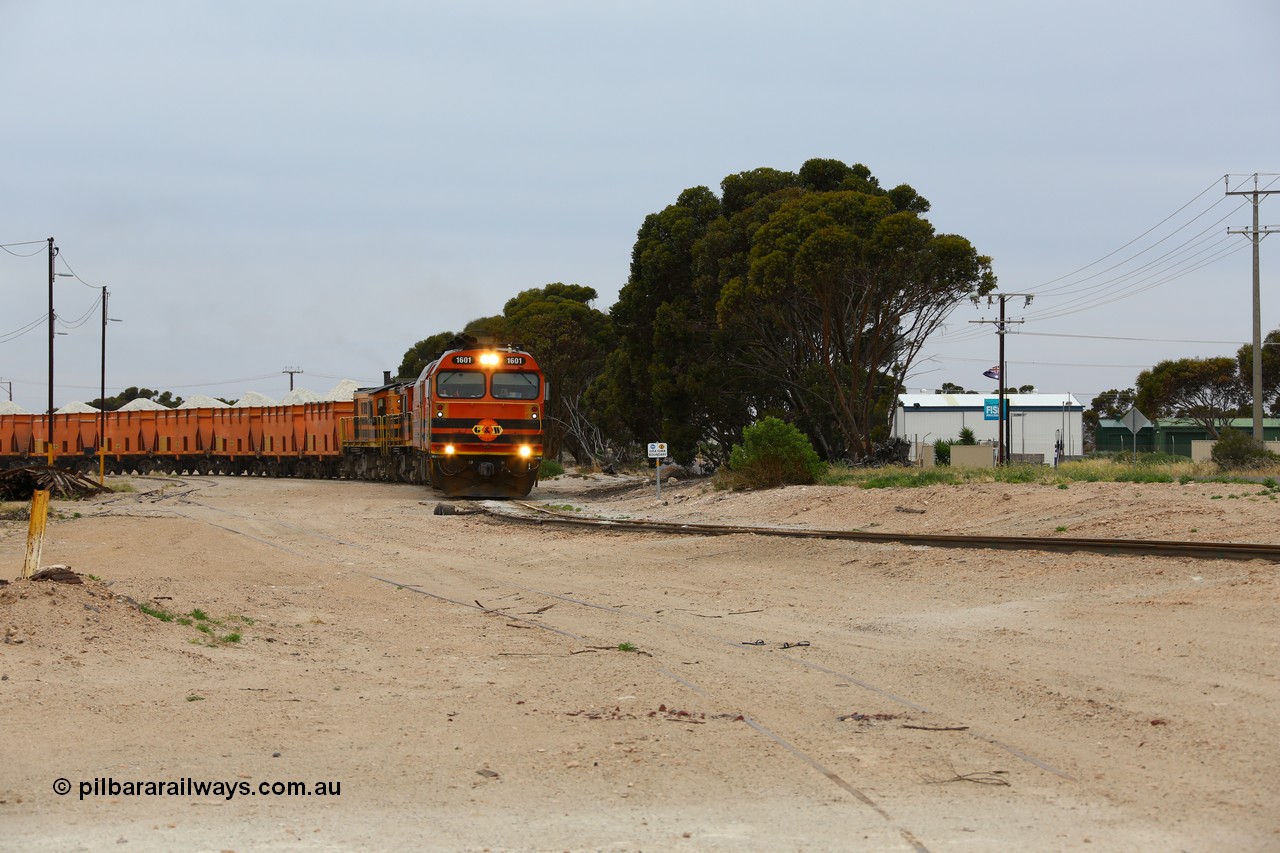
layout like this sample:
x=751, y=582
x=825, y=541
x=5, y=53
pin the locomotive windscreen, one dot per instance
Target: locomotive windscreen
x=467, y=384
x=515, y=386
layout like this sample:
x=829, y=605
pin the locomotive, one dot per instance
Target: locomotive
x=470, y=426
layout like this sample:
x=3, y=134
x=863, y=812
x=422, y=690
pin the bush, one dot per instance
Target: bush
x=773, y=453
x=1235, y=450
x=942, y=451
x=550, y=468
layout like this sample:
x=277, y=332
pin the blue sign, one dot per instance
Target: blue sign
x=991, y=409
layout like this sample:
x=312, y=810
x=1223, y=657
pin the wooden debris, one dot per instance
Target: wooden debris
x=867, y=718
x=57, y=574
x=993, y=777
x=909, y=509
x=20, y=483
x=937, y=728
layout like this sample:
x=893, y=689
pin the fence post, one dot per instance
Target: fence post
x=35, y=531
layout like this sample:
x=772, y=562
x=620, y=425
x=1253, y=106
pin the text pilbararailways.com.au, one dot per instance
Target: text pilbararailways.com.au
x=188, y=787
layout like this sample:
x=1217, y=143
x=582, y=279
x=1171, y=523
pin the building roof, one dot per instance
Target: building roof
x=975, y=402
x=1245, y=424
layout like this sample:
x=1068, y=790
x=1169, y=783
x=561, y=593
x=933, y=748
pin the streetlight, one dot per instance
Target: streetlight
x=102, y=399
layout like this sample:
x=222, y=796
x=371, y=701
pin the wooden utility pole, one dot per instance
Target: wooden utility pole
x=291, y=371
x=1255, y=235
x=102, y=401
x=1005, y=429
x=53, y=251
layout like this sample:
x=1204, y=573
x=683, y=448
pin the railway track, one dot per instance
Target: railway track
x=531, y=514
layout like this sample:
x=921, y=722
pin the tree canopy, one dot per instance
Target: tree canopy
x=1205, y=390
x=803, y=295
x=570, y=340
x=133, y=392
x=429, y=349
x=1270, y=371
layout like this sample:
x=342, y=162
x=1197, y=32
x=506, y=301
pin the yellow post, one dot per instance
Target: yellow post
x=35, y=531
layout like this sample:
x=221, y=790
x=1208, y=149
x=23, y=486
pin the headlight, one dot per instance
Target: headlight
x=525, y=451
x=448, y=450
x=489, y=358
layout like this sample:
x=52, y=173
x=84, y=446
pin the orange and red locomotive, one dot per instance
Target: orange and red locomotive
x=470, y=425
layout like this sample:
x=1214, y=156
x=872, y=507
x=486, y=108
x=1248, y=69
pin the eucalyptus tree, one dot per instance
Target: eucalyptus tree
x=1208, y=391
x=804, y=295
x=1270, y=370
x=842, y=288
x=672, y=377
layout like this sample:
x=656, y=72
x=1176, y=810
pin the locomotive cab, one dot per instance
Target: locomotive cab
x=478, y=421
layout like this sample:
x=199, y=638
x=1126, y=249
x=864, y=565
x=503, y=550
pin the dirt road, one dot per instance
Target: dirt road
x=454, y=682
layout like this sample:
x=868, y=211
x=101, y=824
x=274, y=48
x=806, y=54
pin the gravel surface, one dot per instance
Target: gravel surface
x=472, y=684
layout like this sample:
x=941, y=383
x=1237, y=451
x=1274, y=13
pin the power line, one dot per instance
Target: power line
x=1131, y=242
x=1041, y=363
x=1203, y=249
x=32, y=254
x=83, y=318
x=17, y=333
x=76, y=276
x=1128, y=338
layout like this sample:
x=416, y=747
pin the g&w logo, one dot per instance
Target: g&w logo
x=487, y=429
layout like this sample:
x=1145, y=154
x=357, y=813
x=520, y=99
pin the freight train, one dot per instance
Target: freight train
x=470, y=426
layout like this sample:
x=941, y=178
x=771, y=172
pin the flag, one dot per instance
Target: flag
x=993, y=373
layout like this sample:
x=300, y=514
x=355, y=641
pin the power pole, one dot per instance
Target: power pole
x=291, y=371
x=1005, y=440
x=1255, y=235
x=53, y=251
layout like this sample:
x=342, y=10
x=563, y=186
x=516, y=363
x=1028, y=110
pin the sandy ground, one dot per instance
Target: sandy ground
x=940, y=700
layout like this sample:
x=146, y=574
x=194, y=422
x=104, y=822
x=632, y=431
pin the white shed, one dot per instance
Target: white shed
x=1038, y=421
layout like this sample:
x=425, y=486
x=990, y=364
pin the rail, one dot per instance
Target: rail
x=1060, y=544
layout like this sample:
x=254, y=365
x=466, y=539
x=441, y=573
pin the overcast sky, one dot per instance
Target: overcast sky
x=265, y=185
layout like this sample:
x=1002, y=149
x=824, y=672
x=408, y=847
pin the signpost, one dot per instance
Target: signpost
x=1136, y=422
x=658, y=452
